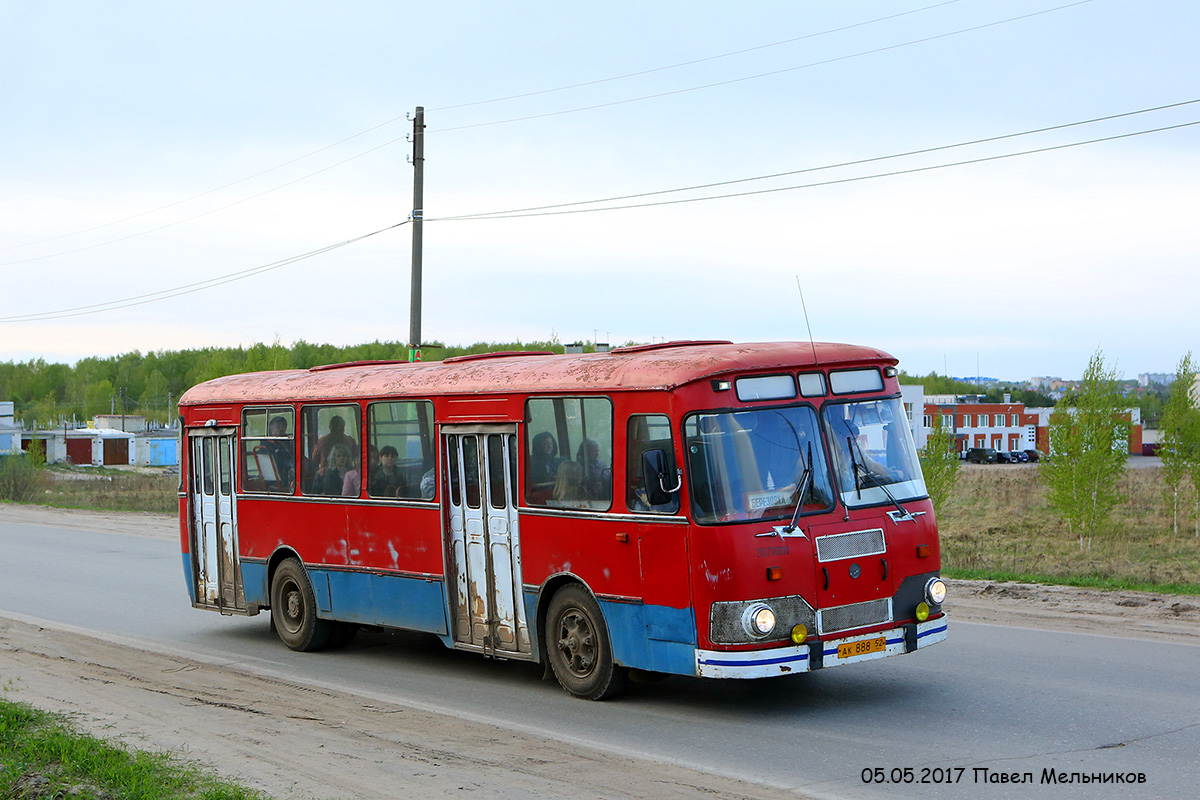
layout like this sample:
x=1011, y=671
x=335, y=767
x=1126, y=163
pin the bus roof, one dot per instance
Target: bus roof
x=644, y=367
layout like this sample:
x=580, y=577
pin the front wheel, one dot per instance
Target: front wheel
x=294, y=609
x=578, y=647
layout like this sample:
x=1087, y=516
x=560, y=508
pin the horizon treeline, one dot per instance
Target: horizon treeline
x=46, y=395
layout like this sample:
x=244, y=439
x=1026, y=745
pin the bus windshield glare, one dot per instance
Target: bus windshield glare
x=749, y=465
x=873, y=452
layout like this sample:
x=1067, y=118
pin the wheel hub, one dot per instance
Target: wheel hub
x=577, y=643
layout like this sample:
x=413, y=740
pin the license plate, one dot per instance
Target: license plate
x=862, y=647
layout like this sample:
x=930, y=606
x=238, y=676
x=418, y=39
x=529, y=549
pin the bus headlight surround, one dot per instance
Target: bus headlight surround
x=758, y=620
x=935, y=591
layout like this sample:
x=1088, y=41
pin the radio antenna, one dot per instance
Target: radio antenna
x=804, y=307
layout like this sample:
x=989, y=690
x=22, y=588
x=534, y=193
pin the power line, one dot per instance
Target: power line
x=178, y=291
x=511, y=120
x=231, y=277
x=693, y=62
x=196, y=216
x=397, y=119
x=830, y=182
x=772, y=73
x=214, y=191
x=858, y=162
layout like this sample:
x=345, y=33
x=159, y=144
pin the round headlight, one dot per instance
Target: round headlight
x=758, y=620
x=935, y=591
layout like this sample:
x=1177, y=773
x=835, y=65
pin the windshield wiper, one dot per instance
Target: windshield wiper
x=805, y=480
x=858, y=467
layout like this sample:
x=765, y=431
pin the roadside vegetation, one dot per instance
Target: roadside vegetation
x=998, y=524
x=96, y=488
x=42, y=756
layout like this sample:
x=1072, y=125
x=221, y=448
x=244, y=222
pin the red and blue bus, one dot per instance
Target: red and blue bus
x=686, y=508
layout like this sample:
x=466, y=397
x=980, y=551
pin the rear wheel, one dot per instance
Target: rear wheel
x=294, y=609
x=578, y=647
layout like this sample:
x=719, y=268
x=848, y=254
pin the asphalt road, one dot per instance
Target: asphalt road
x=1000, y=699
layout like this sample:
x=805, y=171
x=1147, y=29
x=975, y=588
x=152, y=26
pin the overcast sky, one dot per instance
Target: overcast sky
x=149, y=146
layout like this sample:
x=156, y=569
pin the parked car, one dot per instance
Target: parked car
x=1034, y=455
x=1003, y=457
x=981, y=455
x=1019, y=456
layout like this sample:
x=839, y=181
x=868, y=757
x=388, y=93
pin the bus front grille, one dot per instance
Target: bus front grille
x=725, y=619
x=850, y=545
x=855, y=615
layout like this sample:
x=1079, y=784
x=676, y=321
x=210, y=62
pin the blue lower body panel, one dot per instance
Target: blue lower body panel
x=648, y=637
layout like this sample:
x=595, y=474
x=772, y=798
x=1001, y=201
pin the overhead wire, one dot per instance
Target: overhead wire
x=695, y=61
x=857, y=162
x=178, y=291
x=223, y=187
x=769, y=74
x=191, y=218
x=556, y=211
x=442, y=108
x=855, y=179
x=507, y=121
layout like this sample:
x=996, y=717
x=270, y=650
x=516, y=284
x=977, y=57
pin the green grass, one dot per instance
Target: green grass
x=1082, y=581
x=998, y=525
x=97, y=489
x=41, y=756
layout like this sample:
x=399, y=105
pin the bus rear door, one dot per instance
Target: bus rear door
x=214, y=546
x=483, y=541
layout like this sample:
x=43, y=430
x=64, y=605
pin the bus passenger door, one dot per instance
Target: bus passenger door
x=483, y=539
x=214, y=525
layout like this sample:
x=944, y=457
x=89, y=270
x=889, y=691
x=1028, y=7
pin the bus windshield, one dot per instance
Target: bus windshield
x=873, y=451
x=748, y=465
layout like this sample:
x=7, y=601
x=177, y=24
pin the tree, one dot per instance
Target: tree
x=1178, y=445
x=1089, y=444
x=939, y=464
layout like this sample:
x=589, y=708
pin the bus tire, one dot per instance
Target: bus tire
x=294, y=609
x=578, y=646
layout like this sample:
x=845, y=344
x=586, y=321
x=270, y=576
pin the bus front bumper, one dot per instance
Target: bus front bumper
x=819, y=655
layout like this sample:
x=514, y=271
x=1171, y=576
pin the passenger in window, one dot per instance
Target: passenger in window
x=386, y=479
x=352, y=483
x=332, y=476
x=596, y=476
x=568, y=485
x=543, y=461
x=428, y=485
x=337, y=435
x=281, y=451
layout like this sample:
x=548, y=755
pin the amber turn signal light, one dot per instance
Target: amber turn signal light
x=774, y=573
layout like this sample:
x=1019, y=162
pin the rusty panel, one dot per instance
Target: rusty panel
x=116, y=451
x=639, y=369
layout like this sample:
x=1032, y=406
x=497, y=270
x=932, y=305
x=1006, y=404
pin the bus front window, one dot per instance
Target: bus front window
x=751, y=465
x=873, y=452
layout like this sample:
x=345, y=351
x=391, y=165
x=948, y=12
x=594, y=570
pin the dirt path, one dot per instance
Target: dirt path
x=297, y=741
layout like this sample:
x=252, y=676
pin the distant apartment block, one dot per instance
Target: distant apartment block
x=1004, y=427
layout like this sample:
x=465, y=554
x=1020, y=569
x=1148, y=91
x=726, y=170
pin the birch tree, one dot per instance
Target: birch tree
x=1178, y=445
x=1089, y=444
x=939, y=463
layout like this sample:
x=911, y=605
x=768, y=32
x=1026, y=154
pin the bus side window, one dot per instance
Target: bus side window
x=569, y=452
x=401, y=434
x=648, y=432
x=268, y=450
x=332, y=433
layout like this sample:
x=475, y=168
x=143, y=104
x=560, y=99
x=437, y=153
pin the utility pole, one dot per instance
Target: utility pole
x=418, y=159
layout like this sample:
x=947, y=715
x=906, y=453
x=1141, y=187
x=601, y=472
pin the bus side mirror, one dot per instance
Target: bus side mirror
x=657, y=469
